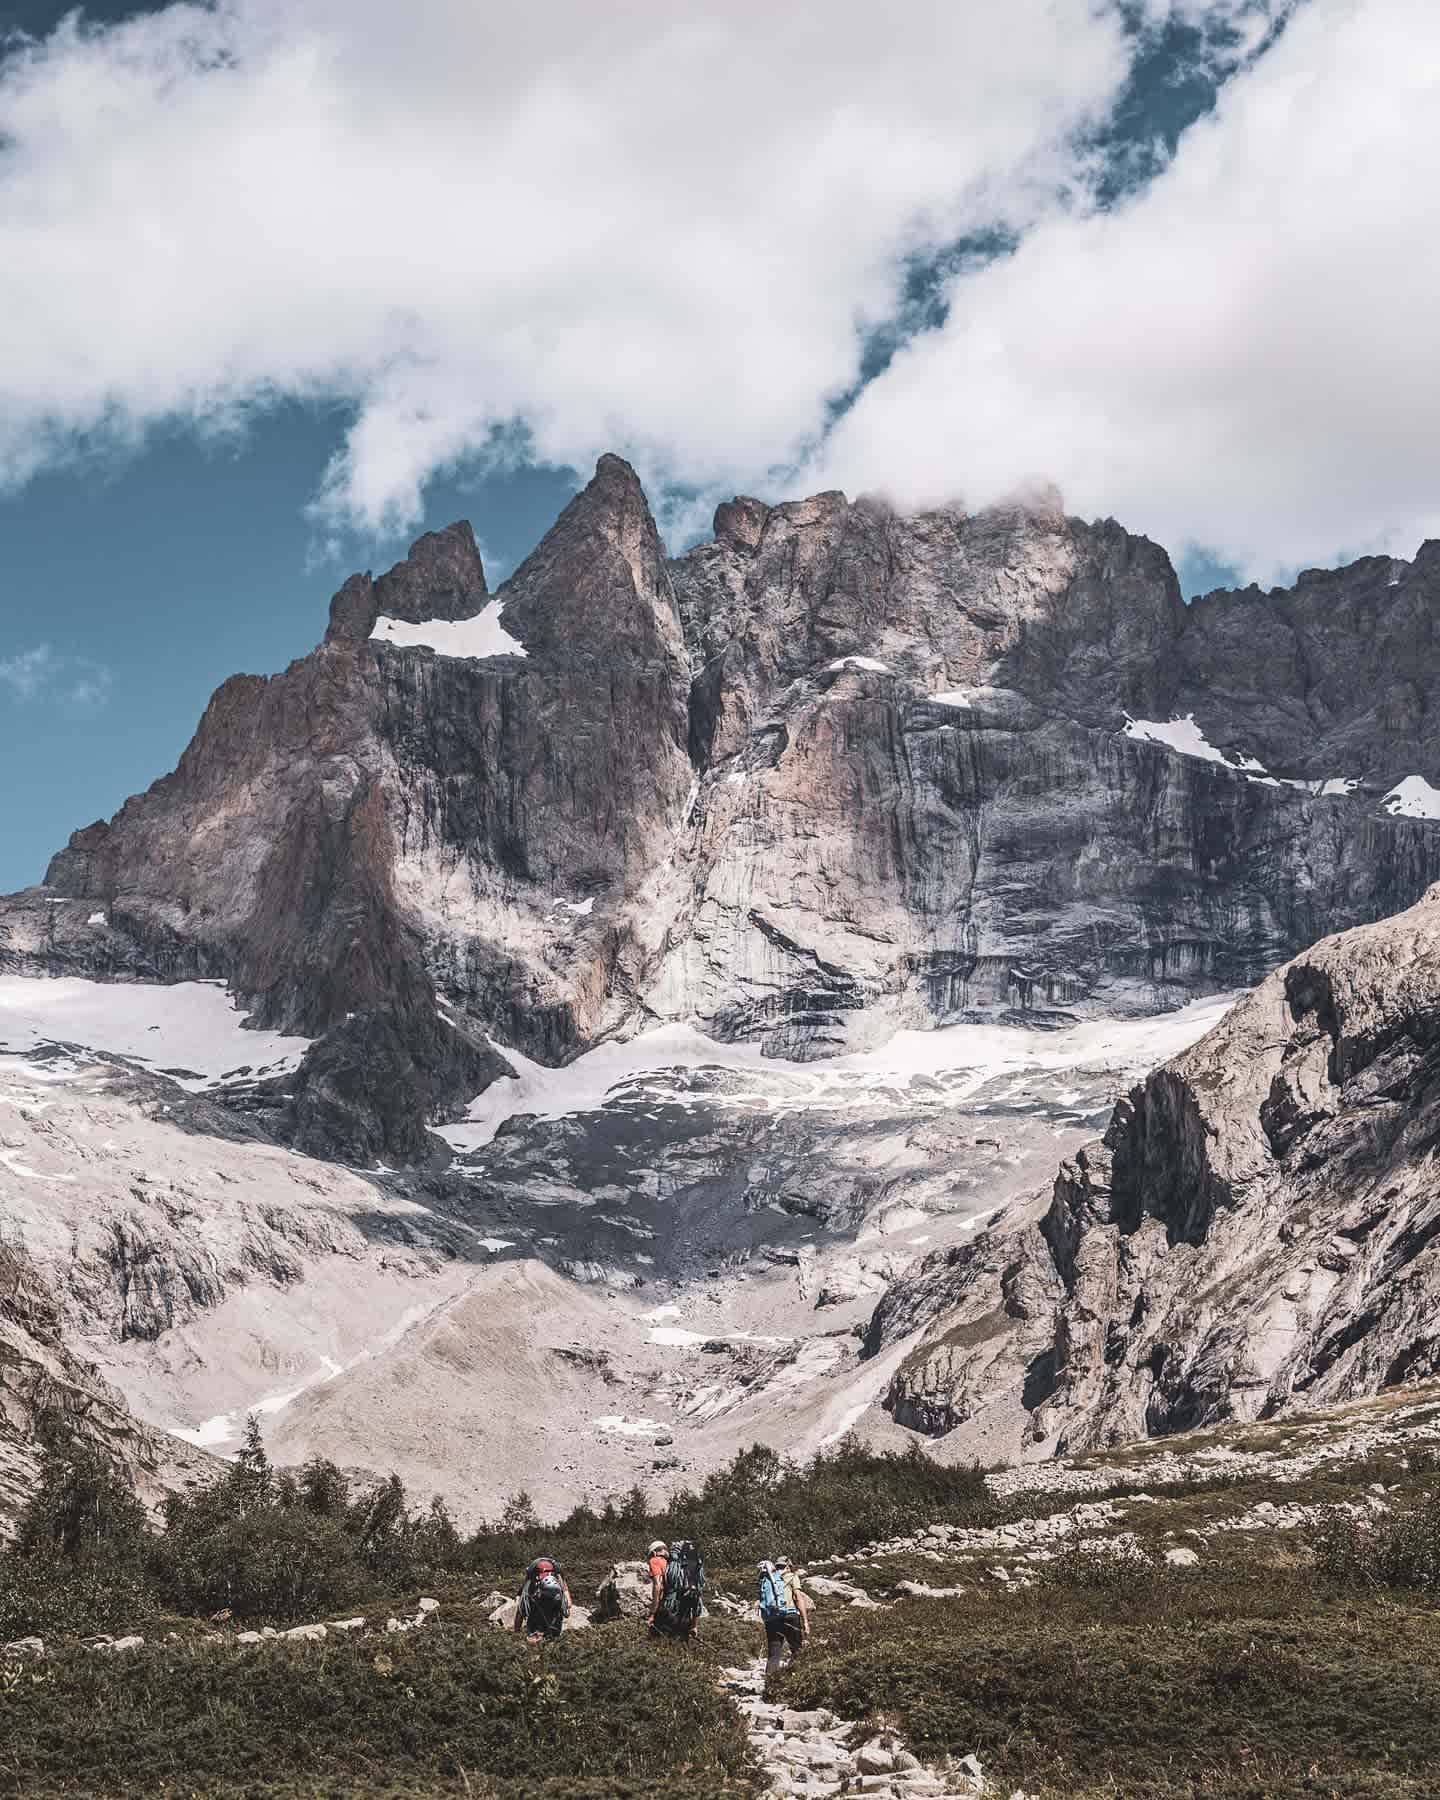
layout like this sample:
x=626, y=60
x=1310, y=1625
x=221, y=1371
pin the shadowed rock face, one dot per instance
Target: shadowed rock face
x=1260, y=1224
x=48, y=1396
x=831, y=773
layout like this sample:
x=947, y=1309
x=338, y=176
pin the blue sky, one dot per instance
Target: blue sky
x=155, y=542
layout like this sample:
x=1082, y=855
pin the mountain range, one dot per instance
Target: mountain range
x=556, y=1034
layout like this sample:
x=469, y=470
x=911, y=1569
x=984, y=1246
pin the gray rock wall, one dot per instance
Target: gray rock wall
x=831, y=773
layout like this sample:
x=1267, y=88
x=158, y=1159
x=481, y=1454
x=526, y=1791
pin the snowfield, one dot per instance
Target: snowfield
x=1413, y=798
x=914, y=1069
x=190, y=1031
x=482, y=636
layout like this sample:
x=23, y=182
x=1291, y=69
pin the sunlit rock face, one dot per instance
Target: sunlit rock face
x=830, y=774
x=1257, y=1227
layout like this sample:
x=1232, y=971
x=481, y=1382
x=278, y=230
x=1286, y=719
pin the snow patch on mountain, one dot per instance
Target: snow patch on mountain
x=1187, y=738
x=482, y=636
x=1413, y=798
x=191, y=1031
x=1182, y=735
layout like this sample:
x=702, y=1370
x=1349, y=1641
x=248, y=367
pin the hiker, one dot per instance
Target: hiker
x=657, y=1559
x=784, y=1612
x=677, y=1578
x=543, y=1604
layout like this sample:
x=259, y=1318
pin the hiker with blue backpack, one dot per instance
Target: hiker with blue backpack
x=543, y=1604
x=784, y=1612
x=677, y=1584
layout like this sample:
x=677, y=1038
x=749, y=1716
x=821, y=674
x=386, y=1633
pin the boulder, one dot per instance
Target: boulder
x=624, y=1593
x=503, y=1617
x=1182, y=1558
x=305, y=1633
x=25, y=1646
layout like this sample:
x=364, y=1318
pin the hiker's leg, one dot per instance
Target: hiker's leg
x=775, y=1649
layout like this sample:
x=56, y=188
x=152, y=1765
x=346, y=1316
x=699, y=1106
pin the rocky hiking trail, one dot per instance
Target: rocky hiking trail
x=816, y=1752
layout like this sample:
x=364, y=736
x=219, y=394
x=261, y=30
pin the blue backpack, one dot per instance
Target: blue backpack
x=772, y=1594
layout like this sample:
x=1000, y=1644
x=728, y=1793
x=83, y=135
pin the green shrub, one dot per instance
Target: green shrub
x=758, y=1503
x=442, y=1711
x=267, y=1565
x=76, y=1565
x=1400, y=1551
x=50, y=1597
x=1100, y=1567
x=1239, y=1683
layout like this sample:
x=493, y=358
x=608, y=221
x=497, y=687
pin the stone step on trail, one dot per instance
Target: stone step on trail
x=817, y=1753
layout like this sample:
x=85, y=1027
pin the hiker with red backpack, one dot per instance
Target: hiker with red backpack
x=657, y=1560
x=543, y=1604
x=677, y=1579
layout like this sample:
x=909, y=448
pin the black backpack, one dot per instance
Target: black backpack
x=684, y=1584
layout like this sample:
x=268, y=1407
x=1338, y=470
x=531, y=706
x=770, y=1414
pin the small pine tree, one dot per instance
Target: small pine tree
x=324, y=1489
x=251, y=1478
x=518, y=1514
x=382, y=1516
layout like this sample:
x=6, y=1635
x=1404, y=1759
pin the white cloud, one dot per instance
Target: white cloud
x=1246, y=355
x=647, y=226
x=39, y=672
x=27, y=671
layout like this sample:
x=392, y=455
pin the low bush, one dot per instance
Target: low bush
x=1399, y=1551
x=761, y=1503
x=443, y=1711
x=1245, y=1685
x=48, y=1598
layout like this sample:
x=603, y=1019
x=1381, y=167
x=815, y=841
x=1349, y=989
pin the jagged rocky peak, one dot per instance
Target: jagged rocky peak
x=1337, y=677
x=441, y=578
x=598, y=584
x=1259, y=1226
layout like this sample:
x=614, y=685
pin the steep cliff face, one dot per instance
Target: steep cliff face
x=50, y=1399
x=1259, y=1225
x=946, y=765
x=832, y=773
